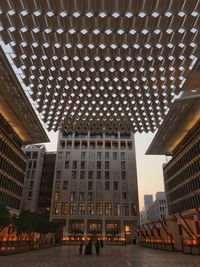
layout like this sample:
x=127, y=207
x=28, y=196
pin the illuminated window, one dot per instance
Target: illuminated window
x=108, y=209
x=56, y=196
x=90, y=208
x=56, y=207
x=81, y=208
x=116, y=209
x=72, y=209
x=99, y=209
x=64, y=208
x=125, y=209
x=72, y=196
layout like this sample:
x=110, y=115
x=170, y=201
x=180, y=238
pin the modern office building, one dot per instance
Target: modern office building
x=18, y=126
x=46, y=184
x=179, y=137
x=95, y=185
x=35, y=155
x=158, y=209
x=154, y=210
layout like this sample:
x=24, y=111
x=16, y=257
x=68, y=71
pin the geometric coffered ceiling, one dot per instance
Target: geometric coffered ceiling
x=103, y=64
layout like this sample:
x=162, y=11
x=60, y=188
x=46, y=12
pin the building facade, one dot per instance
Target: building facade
x=12, y=167
x=154, y=210
x=95, y=184
x=18, y=126
x=35, y=155
x=182, y=174
x=46, y=184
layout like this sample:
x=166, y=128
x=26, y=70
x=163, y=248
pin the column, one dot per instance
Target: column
x=103, y=227
x=85, y=227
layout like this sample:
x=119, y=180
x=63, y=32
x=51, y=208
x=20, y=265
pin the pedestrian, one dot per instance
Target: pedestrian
x=81, y=248
x=97, y=247
x=88, y=248
x=101, y=243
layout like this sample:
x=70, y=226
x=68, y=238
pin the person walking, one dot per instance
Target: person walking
x=81, y=248
x=88, y=248
x=97, y=247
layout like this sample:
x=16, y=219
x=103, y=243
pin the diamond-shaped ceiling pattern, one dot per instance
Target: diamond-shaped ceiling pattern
x=103, y=64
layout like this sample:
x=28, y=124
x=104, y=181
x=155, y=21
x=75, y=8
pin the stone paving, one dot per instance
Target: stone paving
x=111, y=257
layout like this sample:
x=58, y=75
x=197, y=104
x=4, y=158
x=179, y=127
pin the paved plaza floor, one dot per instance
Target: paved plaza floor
x=111, y=257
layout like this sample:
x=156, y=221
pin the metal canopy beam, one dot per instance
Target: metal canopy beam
x=94, y=65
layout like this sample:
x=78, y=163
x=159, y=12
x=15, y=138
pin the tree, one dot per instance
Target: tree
x=4, y=217
x=27, y=222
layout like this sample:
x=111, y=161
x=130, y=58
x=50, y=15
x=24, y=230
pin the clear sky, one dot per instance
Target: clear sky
x=149, y=168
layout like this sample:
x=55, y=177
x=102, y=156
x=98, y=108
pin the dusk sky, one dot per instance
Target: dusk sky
x=149, y=168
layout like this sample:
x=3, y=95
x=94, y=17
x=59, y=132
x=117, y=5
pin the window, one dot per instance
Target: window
x=116, y=209
x=34, y=164
x=122, y=155
x=64, y=208
x=115, y=186
x=74, y=164
x=90, y=208
x=60, y=155
x=81, y=208
x=90, y=175
x=29, y=164
x=124, y=195
x=107, y=164
x=72, y=209
x=57, y=185
x=107, y=145
x=90, y=185
x=123, y=145
x=28, y=174
x=129, y=145
x=108, y=209
x=62, y=144
x=58, y=174
x=65, y=183
x=67, y=164
x=125, y=209
x=82, y=164
x=98, y=175
x=82, y=174
x=92, y=145
x=28, y=154
x=98, y=155
x=72, y=196
x=114, y=155
x=74, y=174
x=84, y=146
x=33, y=174
x=35, y=155
x=123, y=175
x=90, y=196
x=107, y=156
x=56, y=196
x=29, y=195
x=107, y=185
x=98, y=165
x=81, y=196
x=67, y=155
x=83, y=155
x=99, y=209
x=133, y=209
x=69, y=145
x=107, y=175
x=56, y=207
x=123, y=166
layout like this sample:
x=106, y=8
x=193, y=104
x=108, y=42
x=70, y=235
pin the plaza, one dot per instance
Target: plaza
x=112, y=256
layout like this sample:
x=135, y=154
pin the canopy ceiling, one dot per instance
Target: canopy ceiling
x=103, y=64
